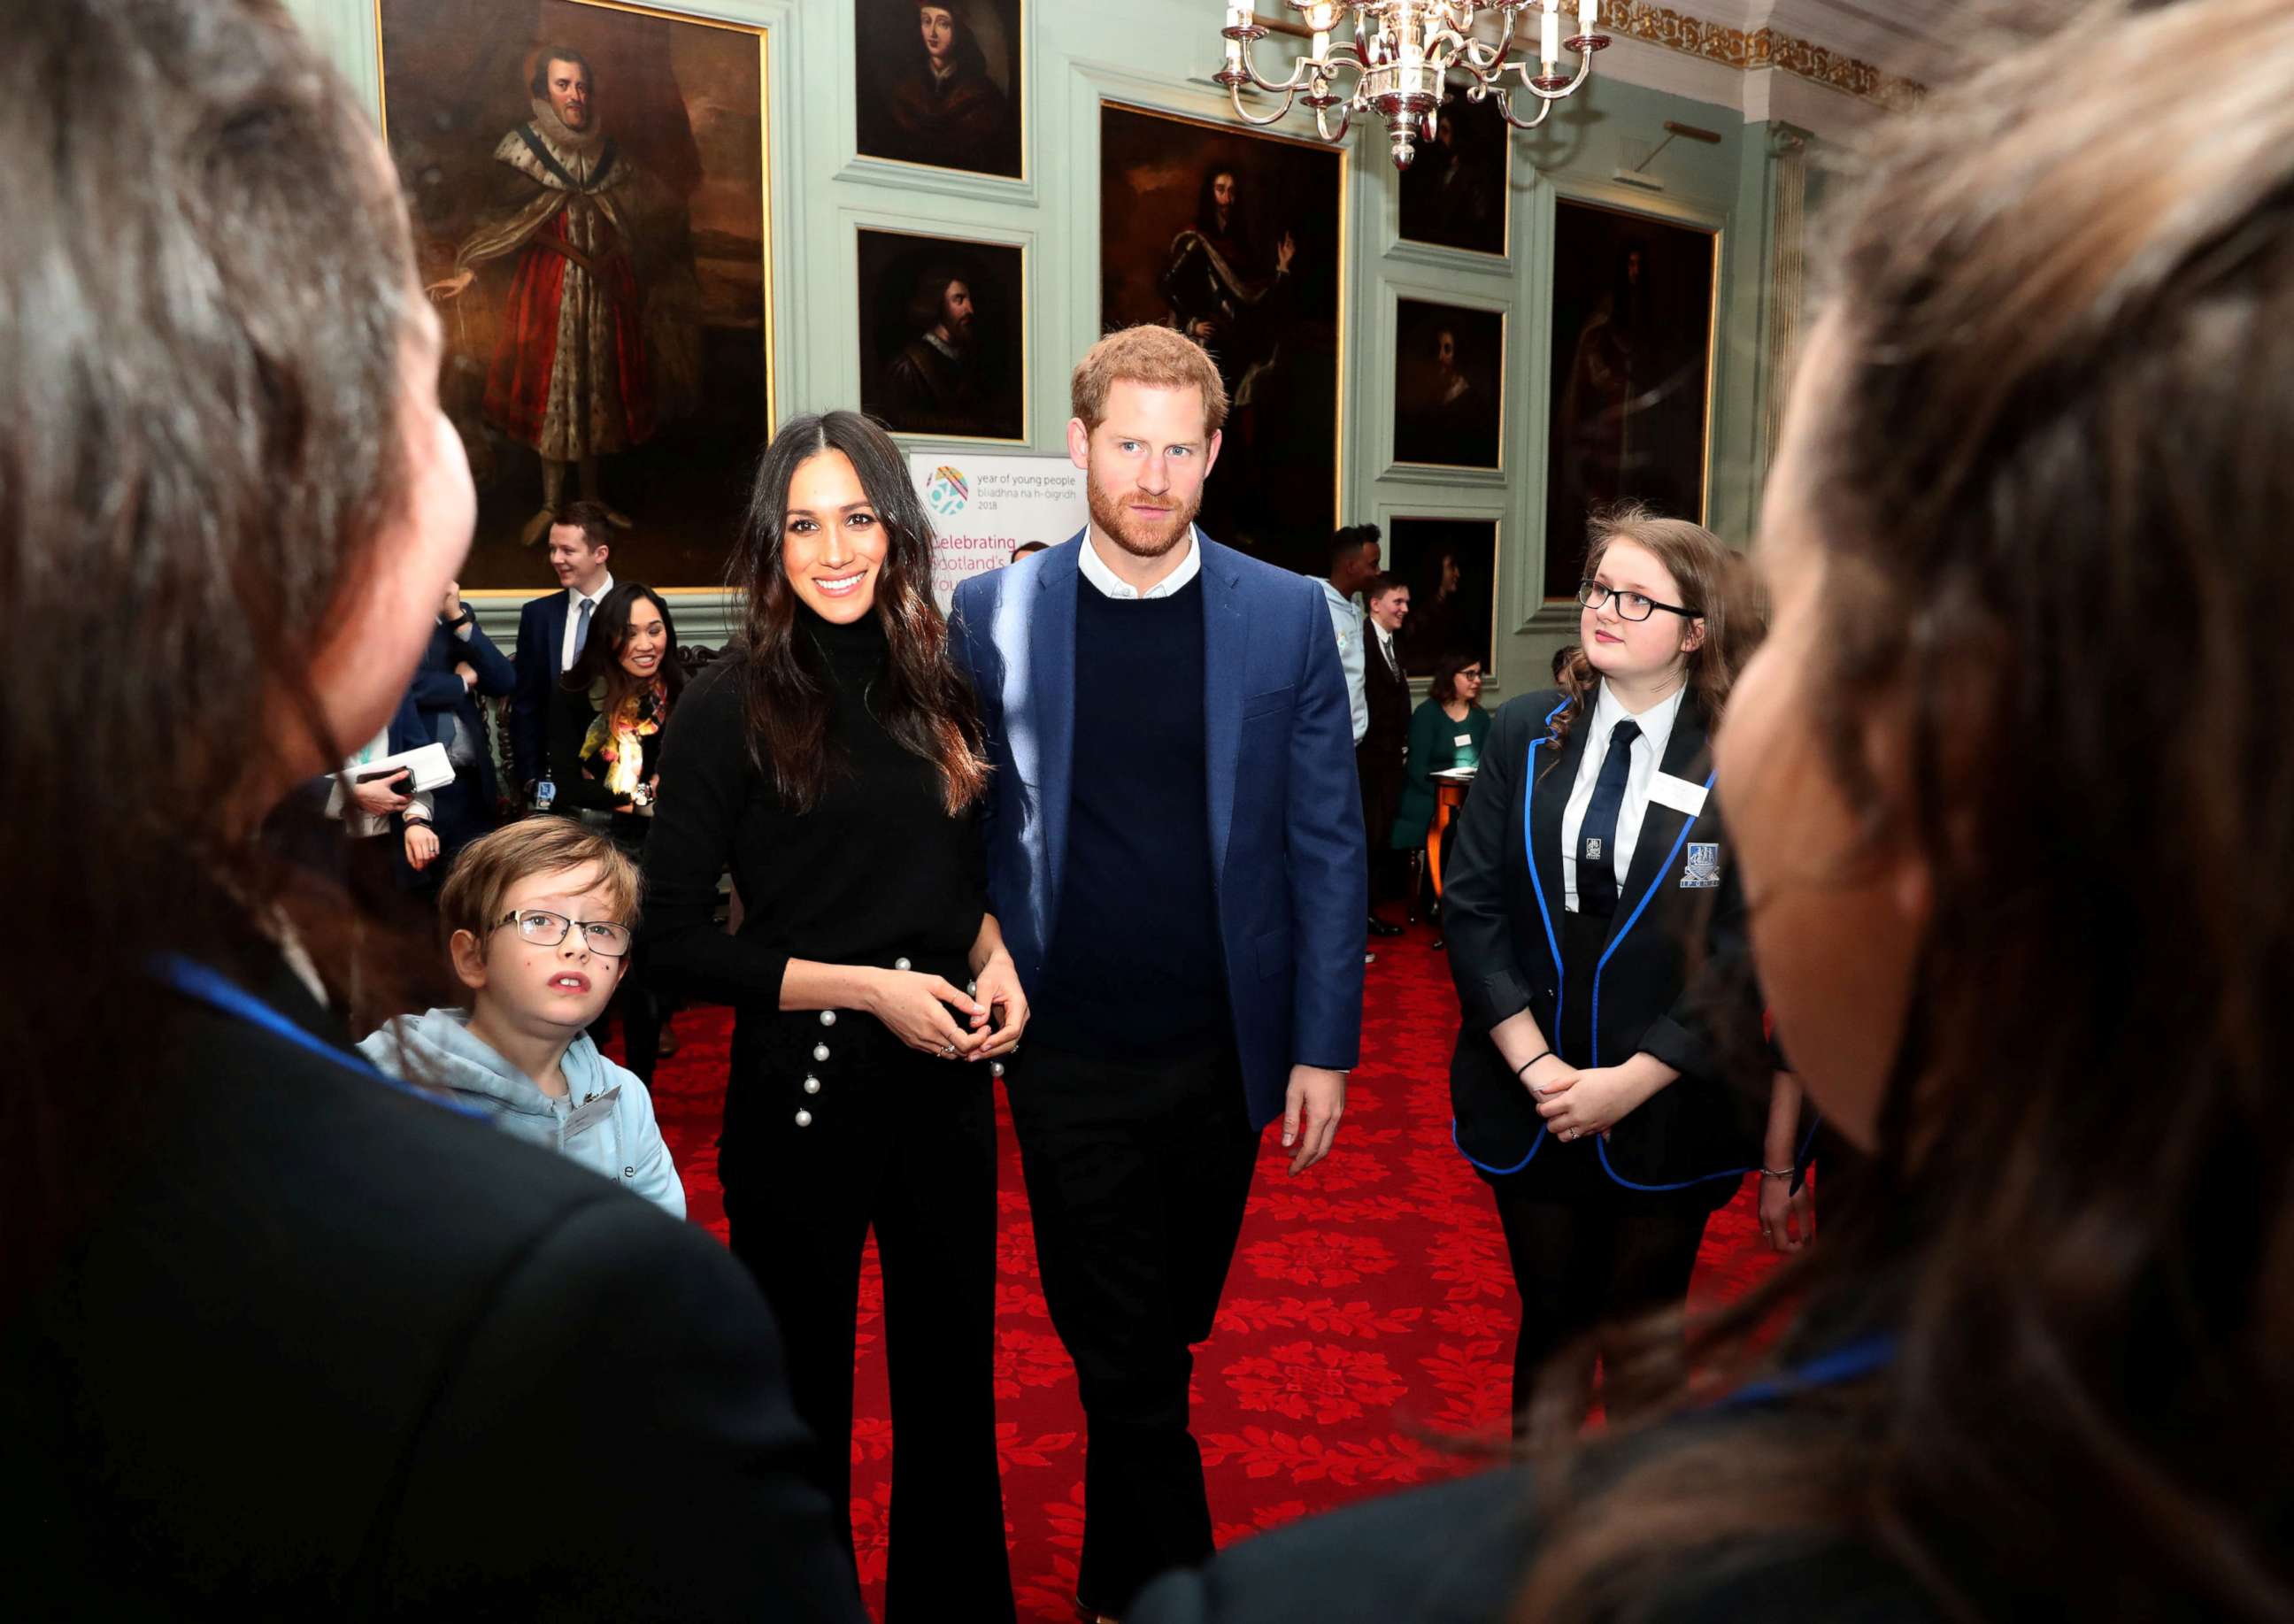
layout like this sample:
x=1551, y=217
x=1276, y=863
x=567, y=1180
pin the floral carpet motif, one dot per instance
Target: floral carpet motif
x=1366, y=1330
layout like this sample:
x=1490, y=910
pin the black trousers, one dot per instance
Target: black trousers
x=905, y=1143
x=1587, y=1253
x=1137, y=1173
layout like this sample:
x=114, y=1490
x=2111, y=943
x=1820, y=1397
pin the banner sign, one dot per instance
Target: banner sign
x=981, y=508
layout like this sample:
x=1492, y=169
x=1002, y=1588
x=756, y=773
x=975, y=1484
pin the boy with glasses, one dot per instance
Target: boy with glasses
x=537, y=919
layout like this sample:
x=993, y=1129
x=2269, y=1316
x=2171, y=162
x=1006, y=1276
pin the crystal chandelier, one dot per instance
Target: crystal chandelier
x=1400, y=56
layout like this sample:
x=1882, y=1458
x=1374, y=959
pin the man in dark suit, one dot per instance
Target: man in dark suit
x=1377, y=759
x=553, y=629
x=1179, y=880
x=440, y=708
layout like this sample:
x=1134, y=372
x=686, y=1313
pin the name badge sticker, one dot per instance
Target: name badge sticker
x=590, y=1114
x=1463, y=739
x=1678, y=793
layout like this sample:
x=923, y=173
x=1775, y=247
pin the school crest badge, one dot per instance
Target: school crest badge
x=1703, y=870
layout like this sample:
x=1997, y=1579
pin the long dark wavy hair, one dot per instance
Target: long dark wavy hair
x=601, y=656
x=923, y=700
x=207, y=287
x=2048, y=422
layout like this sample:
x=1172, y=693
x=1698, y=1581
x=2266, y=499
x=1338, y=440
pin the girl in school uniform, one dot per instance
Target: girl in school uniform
x=1595, y=932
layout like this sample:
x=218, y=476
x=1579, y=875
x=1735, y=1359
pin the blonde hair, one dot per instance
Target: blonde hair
x=1159, y=357
x=476, y=892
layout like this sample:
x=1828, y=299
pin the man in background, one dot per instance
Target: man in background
x=1354, y=566
x=1379, y=755
x=553, y=628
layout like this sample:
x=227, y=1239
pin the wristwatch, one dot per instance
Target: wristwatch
x=461, y=620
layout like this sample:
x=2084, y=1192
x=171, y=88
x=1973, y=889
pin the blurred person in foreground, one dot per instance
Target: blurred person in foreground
x=2020, y=907
x=279, y=1336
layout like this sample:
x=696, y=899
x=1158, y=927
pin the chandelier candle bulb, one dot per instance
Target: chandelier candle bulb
x=1548, y=36
x=1588, y=13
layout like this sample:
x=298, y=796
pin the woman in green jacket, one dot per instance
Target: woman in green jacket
x=1445, y=732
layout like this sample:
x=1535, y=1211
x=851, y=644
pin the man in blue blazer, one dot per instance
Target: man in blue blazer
x=552, y=628
x=440, y=707
x=1175, y=855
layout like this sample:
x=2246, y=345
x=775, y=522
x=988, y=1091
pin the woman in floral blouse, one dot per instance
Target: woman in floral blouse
x=605, y=722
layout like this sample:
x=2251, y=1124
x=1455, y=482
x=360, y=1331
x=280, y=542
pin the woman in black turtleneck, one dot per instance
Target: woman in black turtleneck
x=832, y=763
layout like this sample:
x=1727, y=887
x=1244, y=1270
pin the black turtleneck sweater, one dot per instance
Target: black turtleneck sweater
x=876, y=871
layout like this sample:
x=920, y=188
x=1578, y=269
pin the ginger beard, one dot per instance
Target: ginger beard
x=1129, y=531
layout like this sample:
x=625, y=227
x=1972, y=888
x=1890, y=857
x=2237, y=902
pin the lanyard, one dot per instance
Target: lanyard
x=199, y=981
x=1844, y=1363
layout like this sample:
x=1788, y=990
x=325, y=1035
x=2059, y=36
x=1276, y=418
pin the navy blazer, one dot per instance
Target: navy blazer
x=436, y=692
x=1691, y=1003
x=1285, y=815
x=540, y=640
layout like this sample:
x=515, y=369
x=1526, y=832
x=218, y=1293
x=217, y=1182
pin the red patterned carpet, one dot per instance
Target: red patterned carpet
x=1369, y=1309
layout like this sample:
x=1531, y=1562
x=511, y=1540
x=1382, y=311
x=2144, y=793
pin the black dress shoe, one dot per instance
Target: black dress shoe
x=1379, y=927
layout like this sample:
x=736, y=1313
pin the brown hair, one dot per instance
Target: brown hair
x=476, y=893
x=594, y=520
x=2046, y=420
x=539, y=84
x=1380, y=584
x=1714, y=582
x=1158, y=357
x=1444, y=687
x=208, y=290
x=923, y=700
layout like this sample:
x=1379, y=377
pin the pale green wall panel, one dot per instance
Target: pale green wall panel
x=1160, y=53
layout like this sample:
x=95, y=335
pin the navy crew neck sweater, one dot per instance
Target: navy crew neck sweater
x=1135, y=968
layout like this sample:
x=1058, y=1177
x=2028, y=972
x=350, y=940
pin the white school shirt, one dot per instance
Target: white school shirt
x=1649, y=750
x=1111, y=585
x=573, y=596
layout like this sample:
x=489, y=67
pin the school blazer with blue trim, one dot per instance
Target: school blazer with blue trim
x=1694, y=1007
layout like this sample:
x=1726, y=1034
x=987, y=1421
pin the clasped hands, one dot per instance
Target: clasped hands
x=933, y=1015
x=1576, y=1102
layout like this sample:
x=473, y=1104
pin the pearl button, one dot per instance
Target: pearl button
x=900, y=964
x=970, y=988
x=820, y=1051
x=812, y=1085
x=804, y=1119
x=828, y=1018
x=995, y=1068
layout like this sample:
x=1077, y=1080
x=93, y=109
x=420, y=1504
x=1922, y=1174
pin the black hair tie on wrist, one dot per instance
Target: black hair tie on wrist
x=1542, y=1054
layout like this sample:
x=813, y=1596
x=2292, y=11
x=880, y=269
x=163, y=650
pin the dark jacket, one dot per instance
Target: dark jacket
x=1456, y=1552
x=1500, y=917
x=541, y=640
x=332, y=1350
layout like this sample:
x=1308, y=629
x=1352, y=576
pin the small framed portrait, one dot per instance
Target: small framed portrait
x=1632, y=374
x=1450, y=566
x=940, y=83
x=943, y=348
x=1449, y=396
x=1455, y=194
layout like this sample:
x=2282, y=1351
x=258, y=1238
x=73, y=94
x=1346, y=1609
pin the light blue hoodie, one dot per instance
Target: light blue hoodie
x=616, y=1136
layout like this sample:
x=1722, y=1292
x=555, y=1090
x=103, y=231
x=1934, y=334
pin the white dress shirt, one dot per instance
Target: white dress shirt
x=1649, y=750
x=1111, y=585
x=573, y=597
x=1346, y=621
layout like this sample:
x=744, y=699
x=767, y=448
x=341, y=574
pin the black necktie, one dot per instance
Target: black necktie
x=1596, y=839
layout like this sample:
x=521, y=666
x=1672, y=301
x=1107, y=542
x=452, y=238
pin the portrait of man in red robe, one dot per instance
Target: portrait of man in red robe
x=596, y=346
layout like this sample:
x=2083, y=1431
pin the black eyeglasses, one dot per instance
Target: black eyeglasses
x=1630, y=606
x=544, y=928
